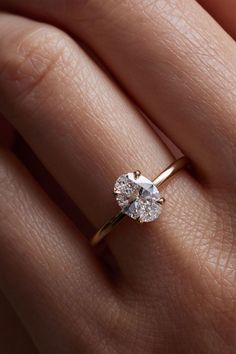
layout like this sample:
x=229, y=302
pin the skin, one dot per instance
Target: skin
x=165, y=287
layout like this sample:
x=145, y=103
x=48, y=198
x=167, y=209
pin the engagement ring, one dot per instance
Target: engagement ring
x=138, y=197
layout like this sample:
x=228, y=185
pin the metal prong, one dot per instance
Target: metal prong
x=137, y=174
x=139, y=220
x=161, y=201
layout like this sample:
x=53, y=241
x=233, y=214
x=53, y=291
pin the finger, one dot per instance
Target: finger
x=46, y=268
x=95, y=134
x=25, y=154
x=87, y=127
x=184, y=60
x=89, y=135
x=223, y=12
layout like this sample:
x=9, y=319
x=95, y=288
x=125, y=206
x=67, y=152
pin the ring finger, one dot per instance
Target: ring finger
x=85, y=131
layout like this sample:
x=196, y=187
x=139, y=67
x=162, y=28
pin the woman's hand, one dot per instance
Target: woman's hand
x=173, y=286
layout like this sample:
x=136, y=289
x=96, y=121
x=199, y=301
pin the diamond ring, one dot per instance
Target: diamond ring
x=138, y=197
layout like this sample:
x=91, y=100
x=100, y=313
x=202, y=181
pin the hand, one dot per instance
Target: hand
x=169, y=286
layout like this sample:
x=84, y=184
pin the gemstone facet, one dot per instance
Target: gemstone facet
x=138, y=197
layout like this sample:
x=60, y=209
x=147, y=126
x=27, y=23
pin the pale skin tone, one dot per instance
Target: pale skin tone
x=165, y=287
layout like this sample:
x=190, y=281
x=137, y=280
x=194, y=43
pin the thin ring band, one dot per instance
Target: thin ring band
x=158, y=181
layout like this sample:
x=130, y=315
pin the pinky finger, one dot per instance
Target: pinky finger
x=47, y=270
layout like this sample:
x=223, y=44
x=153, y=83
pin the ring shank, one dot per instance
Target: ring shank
x=106, y=228
x=170, y=171
x=158, y=181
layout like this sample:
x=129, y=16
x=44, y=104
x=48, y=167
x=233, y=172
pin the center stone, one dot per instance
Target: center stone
x=137, y=197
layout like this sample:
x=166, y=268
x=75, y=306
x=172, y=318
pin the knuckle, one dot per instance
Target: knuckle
x=33, y=58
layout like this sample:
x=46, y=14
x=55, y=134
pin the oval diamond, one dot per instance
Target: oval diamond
x=137, y=197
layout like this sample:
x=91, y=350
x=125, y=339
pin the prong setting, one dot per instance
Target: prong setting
x=161, y=201
x=137, y=174
x=139, y=220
